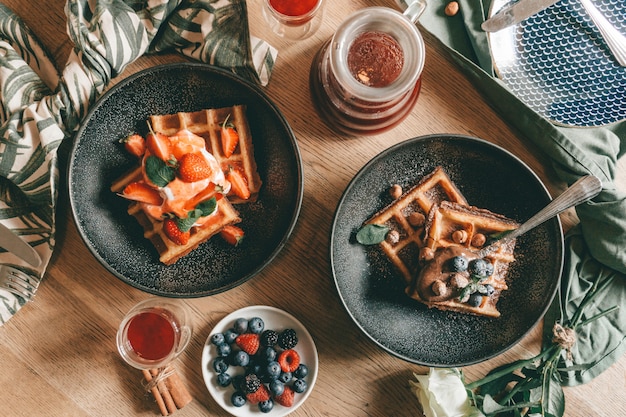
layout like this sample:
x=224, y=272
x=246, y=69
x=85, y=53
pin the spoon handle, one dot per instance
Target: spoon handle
x=582, y=190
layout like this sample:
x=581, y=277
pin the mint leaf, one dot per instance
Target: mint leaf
x=207, y=207
x=203, y=209
x=158, y=172
x=371, y=234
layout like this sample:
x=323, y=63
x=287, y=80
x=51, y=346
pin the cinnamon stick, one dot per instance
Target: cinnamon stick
x=167, y=389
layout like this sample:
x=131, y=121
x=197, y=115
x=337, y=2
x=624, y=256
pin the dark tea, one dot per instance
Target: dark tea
x=151, y=335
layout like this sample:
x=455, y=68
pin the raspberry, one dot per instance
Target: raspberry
x=248, y=342
x=260, y=395
x=286, y=398
x=289, y=360
x=287, y=339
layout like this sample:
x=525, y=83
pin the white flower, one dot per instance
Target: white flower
x=442, y=394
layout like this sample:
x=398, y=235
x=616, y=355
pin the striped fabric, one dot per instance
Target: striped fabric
x=41, y=108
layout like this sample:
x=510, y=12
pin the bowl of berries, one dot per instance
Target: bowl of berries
x=259, y=360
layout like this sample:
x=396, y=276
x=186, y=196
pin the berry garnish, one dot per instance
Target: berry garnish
x=248, y=342
x=289, y=360
x=173, y=232
x=288, y=339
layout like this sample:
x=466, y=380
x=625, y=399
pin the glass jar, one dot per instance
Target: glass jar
x=370, y=100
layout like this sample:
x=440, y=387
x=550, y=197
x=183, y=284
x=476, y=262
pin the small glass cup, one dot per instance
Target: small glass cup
x=293, y=19
x=345, y=99
x=153, y=333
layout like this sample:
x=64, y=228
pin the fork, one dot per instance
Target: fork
x=614, y=39
x=18, y=282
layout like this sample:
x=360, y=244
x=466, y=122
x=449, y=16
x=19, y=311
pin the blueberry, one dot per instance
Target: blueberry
x=223, y=350
x=459, y=264
x=489, y=289
x=479, y=267
x=475, y=299
x=277, y=387
x=238, y=399
x=299, y=386
x=301, y=371
x=217, y=339
x=241, y=325
x=237, y=382
x=241, y=358
x=220, y=364
x=489, y=270
x=256, y=325
x=266, y=406
x=229, y=336
x=268, y=354
x=285, y=377
x=273, y=370
x=223, y=379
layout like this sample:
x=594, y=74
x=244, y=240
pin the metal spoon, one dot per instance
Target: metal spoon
x=582, y=190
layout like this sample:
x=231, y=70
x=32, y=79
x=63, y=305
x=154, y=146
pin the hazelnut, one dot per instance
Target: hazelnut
x=459, y=236
x=458, y=280
x=439, y=288
x=478, y=240
x=393, y=237
x=452, y=8
x=416, y=219
x=395, y=191
x=426, y=254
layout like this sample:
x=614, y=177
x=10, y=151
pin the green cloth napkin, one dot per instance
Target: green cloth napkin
x=42, y=108
x=594, y=248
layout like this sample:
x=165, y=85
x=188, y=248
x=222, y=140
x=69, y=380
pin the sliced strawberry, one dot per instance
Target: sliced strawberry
x=173, y=232
x=232, y=234
x=209, y=192
x=286, y=398
x=193, y=167
x=238, y=182
x=248, y=342
x=230, y=138
x=143, y=193
x=262, y=394
x=159, y=145
x=289, y=360
x=134, y=144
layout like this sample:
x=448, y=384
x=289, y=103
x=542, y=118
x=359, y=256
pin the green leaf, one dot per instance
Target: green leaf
x=207, y=207
x=553, y=398
x=158, y=172
x=491, y=406
x=372, y=234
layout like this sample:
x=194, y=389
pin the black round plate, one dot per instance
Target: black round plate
x=97, y=159
x=373, y=292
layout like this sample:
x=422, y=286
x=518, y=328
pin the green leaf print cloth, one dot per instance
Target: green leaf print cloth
x=595, y=250
x=42, y=108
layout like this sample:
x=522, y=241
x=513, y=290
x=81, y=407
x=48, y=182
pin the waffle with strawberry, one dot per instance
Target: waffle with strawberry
x=228, y=139
x=406, y=218
x=179, y=192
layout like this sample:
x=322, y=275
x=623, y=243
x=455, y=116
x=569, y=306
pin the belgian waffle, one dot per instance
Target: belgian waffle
x=405, y=217
x=169, y=252
x=207, y=124
x=466, y=228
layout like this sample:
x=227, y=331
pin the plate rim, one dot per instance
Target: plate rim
x=299, y=180
x=258, y=310
x=363, y=170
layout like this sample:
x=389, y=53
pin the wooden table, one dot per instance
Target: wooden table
x=58, y=355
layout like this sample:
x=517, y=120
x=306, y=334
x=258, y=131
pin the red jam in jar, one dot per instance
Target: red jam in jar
x=375, y=59
x=151, y=335
x=293, y=7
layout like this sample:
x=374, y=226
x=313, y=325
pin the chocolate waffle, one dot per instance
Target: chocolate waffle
x=207, y=124
x=406, y=219
x=452, y=230
x=170, y=252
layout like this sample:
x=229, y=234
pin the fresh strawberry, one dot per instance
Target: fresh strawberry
x=289, y=360
x=134, y=144
x=193, y=167
x=230, y=137
x=173, y=232
x=286, y=398
x=143, y=193
x=209, y=192
x=159, y=145
x=232, y=234
x=248, y=342
x=238, y=182
x=262, y=394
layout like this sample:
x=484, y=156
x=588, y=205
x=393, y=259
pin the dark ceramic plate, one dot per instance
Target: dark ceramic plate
x=116, y=239
x=372, y=291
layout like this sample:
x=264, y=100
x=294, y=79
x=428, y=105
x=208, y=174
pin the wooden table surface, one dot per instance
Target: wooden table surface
x=58, y=355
